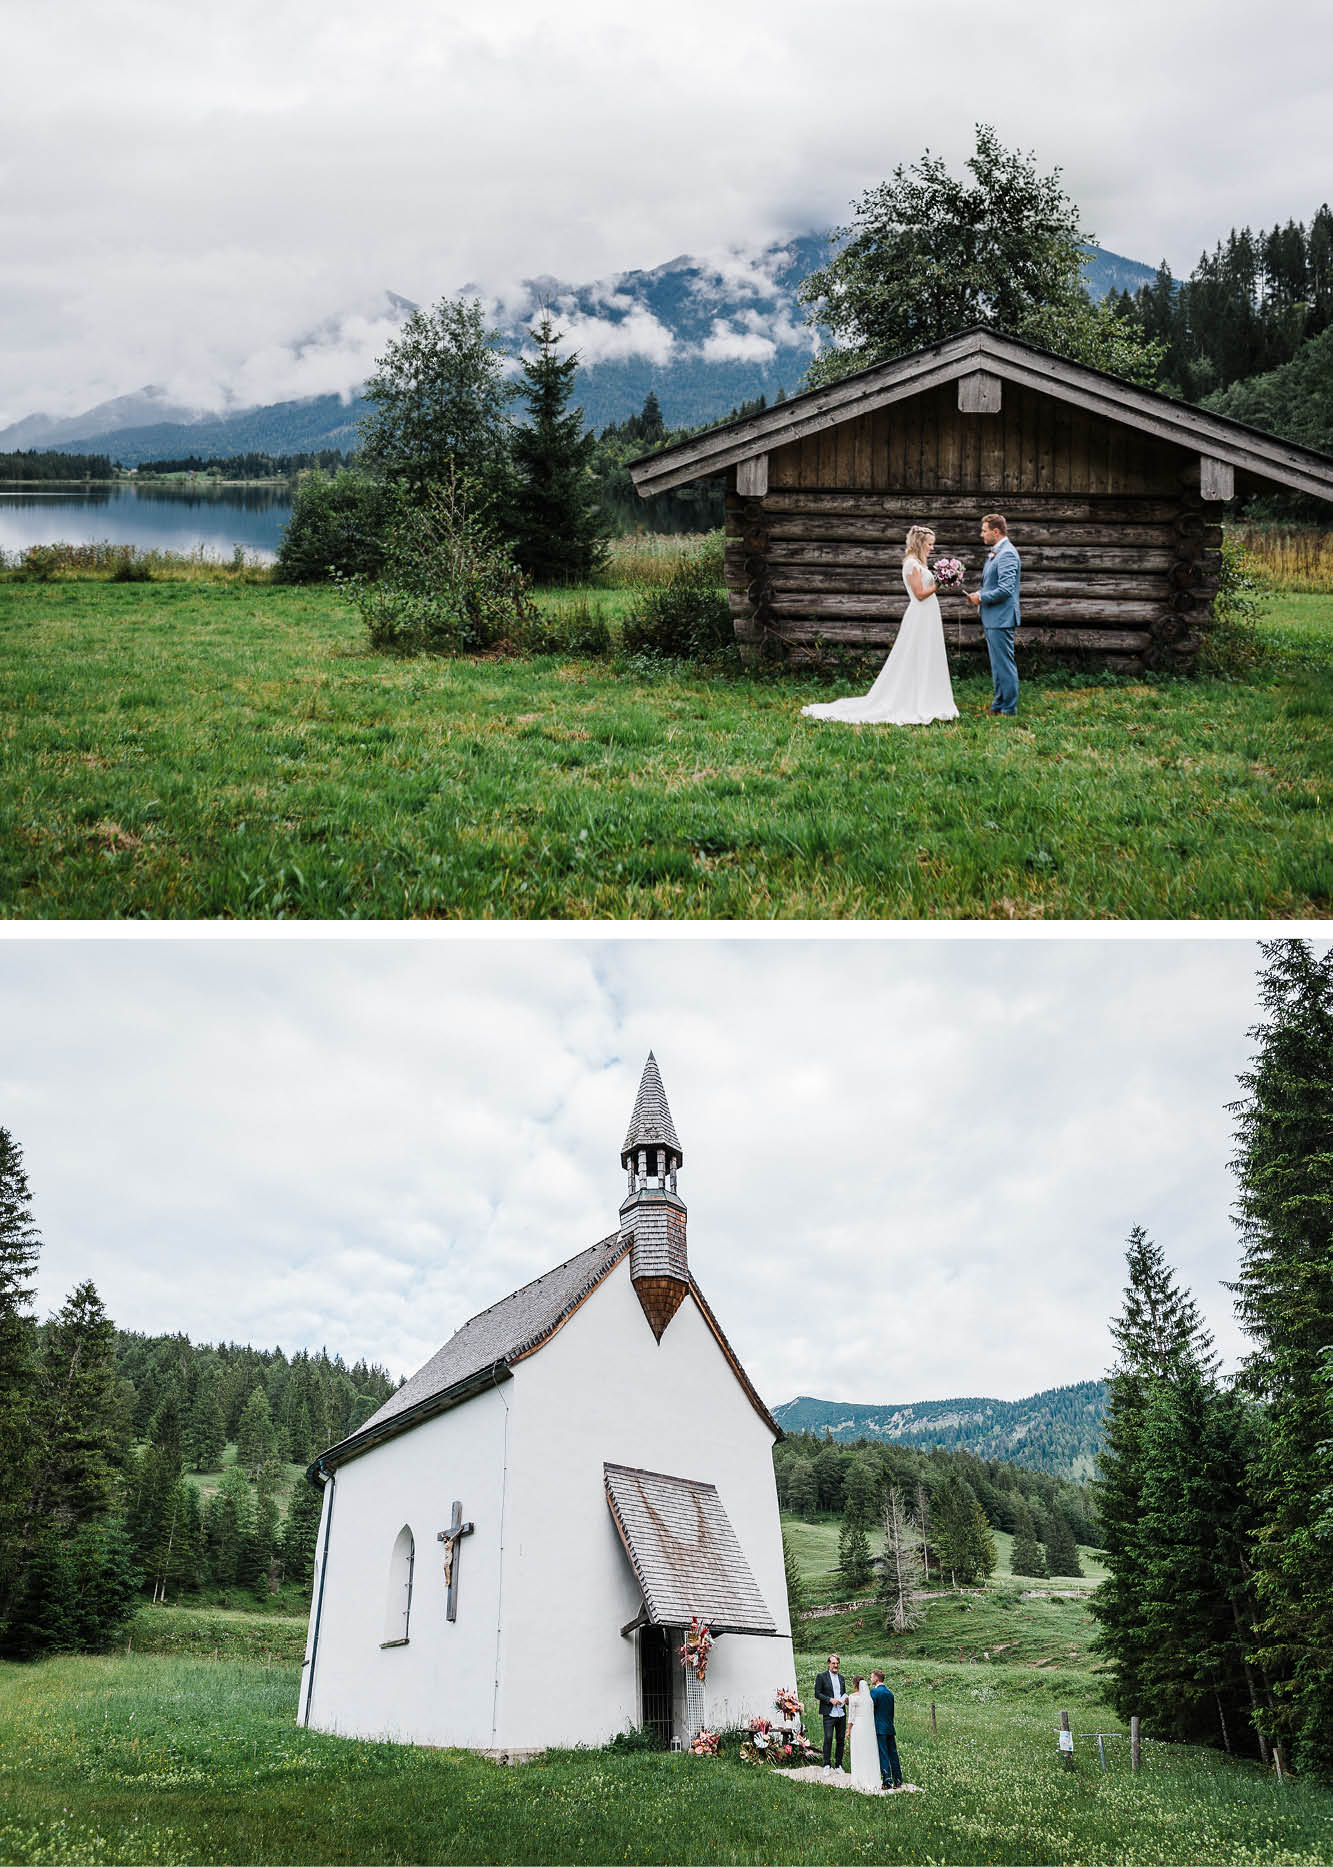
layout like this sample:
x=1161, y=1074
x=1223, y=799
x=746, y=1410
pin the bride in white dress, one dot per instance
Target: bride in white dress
x=865, y=1745
x=913, y=686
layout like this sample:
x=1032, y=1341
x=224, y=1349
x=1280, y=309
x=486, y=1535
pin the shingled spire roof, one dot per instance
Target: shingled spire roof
x=650, y=1125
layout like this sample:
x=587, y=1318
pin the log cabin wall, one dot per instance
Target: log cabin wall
x=1121, y=557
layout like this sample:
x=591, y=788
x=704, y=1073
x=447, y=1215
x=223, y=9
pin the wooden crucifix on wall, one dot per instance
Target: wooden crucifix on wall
x=452, y=1539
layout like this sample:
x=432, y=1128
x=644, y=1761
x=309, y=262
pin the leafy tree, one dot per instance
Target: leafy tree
x=1028, y=1557
x=439, y=397
x=1284, y=1301
x=928, y=255
x=901, y=1591
x=559, y=531
x=853, y=1551
x=336, y=527
x=19, y=1247
x=256, y=1436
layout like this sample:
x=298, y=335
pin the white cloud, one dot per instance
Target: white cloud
x=910, y=1166
x=185, y=188
x=725, y=344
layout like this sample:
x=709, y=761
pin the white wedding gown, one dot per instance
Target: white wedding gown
x=865, y=1745
x=913, y=686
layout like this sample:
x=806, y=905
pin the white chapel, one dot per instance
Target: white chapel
x=512, y=1547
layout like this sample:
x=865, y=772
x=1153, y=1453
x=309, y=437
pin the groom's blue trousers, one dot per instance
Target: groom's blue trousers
x=890, y=1770
x=1003, y=668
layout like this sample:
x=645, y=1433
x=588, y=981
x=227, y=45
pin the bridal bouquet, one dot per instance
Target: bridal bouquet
x=698, y=1645
x=948, y=575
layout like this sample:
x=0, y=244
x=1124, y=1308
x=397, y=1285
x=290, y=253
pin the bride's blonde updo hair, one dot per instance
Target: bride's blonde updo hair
x=919, y=541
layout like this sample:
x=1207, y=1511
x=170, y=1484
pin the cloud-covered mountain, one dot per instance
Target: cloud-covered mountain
x=704, y=335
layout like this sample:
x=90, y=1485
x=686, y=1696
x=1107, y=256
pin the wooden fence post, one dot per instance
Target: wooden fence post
x=1066, y=1742
x=1134, y=1745
x=1277, y=1761
x=934, y=1728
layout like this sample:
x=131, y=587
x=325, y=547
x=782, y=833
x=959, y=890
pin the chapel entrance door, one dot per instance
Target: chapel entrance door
x=657, y=1677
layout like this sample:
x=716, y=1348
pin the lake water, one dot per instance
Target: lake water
x=212, y=520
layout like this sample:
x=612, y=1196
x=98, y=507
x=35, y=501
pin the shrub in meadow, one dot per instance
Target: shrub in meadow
x=688, y=617
x=338, y=526
x=1232, y=645
x=447, y=585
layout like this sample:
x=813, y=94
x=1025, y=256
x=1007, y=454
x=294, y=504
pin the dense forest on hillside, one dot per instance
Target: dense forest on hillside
x=251, y=466
x=815, y=1476
x=1056, y=1431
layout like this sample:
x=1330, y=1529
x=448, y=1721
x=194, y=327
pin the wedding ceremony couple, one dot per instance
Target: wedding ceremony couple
x=913, y=686
x=866, y=1705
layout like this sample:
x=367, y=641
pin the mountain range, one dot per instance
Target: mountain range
x=1058, y=1430
x=704, y=335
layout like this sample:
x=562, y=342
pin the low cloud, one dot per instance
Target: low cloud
x=725, y=344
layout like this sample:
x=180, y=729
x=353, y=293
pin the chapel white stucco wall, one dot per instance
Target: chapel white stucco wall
x=603, y=1389
x=441, y=1687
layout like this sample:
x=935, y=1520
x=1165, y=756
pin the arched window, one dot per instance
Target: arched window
x=398, y=1607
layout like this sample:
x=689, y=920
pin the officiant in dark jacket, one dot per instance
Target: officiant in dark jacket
x=831, y=1698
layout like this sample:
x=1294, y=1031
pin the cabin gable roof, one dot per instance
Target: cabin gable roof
x=981, y=352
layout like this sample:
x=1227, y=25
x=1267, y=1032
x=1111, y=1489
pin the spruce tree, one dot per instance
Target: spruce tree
x=301, y=1530
x=1028, y=1558
x=206, y=1435
x=19, y=1247
x=962, y=1536
x=256, y=1436
x=853, y=1551
x=559, y=532
x=1061, y=1549
x=1284, y=1301
x=166, y=1431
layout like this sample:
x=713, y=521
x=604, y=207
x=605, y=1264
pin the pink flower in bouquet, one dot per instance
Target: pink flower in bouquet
x=705, y=1744
x=948, y=574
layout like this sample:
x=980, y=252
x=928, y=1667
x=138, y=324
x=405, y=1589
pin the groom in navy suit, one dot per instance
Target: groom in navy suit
x=997, y=600
x=890, y=1770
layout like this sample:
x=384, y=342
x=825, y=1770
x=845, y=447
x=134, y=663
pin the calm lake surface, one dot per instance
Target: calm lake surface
x=212, y=520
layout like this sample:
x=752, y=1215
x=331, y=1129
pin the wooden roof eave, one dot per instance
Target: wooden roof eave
x=1264, y=456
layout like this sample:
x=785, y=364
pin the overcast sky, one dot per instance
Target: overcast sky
x=186, y=189
x=910, y=1165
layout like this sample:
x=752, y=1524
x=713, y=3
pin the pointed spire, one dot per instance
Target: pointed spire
x=650, y=1125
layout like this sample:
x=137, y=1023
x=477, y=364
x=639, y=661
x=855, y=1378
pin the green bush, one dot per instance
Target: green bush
x=448, y=585
x=687, y=617
x=338, y=527
x=579, y=630
x=130, y=568
x=1233, y=648
x=638, y=1737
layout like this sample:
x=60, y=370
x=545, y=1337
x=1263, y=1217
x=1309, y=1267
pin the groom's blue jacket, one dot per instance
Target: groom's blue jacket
x=1001, y=578
x=883, y=1700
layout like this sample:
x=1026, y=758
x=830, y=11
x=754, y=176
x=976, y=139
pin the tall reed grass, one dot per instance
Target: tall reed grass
x=651, y=559
x=1292, y=558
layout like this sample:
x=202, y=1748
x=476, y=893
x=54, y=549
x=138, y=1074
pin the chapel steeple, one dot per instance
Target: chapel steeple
x=652, y=1212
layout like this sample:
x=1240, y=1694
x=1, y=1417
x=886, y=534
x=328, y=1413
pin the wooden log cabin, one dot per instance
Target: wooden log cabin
x=1114, y=496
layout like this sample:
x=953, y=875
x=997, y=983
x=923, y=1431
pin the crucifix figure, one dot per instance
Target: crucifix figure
x=451, y=1538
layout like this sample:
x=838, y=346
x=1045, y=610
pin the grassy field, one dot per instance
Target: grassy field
x=816, y=1549
x=214, y=748
x=178, y=1760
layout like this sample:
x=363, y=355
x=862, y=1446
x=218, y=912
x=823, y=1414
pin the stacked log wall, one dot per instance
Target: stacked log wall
x=1121, y=557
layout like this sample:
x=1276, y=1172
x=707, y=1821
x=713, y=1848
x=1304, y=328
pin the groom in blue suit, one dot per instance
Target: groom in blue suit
x=890, y=1770
x=997, y=600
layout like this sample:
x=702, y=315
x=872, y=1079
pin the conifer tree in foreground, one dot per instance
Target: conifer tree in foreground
x=559, y=531
x=795, y=1585
x=301, y=1531
x=19, y=1247
x=1284, y=1301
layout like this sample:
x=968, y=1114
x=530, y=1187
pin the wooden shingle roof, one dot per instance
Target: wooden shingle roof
x=650, y=1124
x=987, y=357
x=686, y=1556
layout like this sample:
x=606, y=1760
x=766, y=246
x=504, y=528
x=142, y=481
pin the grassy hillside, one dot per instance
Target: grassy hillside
x=816, y=1549
x=214, y=749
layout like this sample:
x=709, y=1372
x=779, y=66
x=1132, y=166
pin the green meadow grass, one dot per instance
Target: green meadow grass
x=815, y=1545
x=211, y=749
x=185, y=1760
